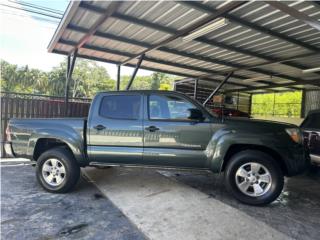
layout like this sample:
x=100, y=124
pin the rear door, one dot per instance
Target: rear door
x=115, y=133
x=170, y=137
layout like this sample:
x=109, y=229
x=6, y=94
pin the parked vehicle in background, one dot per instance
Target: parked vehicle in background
x=161, y=129
x=229, y=112
x=311, y=134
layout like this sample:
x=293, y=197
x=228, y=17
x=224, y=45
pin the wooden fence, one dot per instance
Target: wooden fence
x=20, y=105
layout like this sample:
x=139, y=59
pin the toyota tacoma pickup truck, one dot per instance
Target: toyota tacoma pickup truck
x=161, y=129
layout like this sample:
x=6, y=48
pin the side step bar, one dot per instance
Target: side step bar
x=99, y=164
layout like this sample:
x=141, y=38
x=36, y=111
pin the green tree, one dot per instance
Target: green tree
x=139, y=83
x=156, y=81
x=286, y=104
x=22, y=79
x=87, y=79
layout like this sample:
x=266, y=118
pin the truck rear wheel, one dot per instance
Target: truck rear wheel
x=253, y=177
x=57, y=171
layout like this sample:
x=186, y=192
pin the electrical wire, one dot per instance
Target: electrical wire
x=37, y=7
x=28, y=16
x=31, y=11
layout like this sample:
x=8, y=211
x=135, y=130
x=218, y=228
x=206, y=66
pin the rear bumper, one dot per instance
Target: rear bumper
x=8, y=150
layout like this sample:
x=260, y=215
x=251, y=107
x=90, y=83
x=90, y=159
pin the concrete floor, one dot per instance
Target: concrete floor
x=185, y=205
x=28, y=212
x=296, y=213
x=142, y=203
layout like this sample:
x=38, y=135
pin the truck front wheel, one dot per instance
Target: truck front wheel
x=254, y=177
x=57, y=171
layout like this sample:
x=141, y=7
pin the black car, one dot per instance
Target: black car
x=311, y=134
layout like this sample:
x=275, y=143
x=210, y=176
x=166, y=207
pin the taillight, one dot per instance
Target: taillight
x=8, y=134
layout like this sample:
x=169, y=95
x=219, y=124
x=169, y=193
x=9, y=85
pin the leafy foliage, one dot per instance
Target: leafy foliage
x=22, y=79
x=157, y=81
x=88, y=78
x=286, y=104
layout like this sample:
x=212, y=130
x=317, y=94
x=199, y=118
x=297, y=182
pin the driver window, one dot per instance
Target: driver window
x=169, y=107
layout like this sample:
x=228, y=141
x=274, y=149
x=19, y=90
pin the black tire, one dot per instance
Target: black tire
x=72, y=170
x=247, y=156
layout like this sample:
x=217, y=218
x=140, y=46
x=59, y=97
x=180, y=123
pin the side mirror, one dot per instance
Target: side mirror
x=195, y=114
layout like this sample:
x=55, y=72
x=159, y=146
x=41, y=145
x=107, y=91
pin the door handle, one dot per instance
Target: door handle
x=152, y=128
x=99, y=127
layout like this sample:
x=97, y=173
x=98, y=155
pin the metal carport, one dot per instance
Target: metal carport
x=269, y=46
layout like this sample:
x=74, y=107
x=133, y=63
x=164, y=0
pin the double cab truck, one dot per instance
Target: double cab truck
x=161, y=129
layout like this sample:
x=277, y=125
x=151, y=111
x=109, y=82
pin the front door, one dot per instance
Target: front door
x=115, y=133
x=170, y=137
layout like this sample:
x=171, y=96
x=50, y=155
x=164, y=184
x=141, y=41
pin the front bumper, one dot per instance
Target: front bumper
x=8, y=150
x=315, y=159
x=297, y=159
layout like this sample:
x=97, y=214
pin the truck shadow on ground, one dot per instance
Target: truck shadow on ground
x=295, y=213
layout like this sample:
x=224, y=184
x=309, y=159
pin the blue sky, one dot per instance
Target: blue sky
x=24, y=37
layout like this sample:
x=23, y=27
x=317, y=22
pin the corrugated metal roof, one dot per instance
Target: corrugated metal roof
x=259, y=42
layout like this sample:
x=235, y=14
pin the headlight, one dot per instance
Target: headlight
x=295, y=134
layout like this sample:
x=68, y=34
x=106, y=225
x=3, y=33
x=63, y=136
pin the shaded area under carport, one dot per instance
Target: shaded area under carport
x=296, y=213
x=196, y=205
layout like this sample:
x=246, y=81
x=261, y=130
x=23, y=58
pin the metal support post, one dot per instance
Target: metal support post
x=217, y=88
x=135, y=72
x=70, y=67
x=118, y=77
x=195, y=92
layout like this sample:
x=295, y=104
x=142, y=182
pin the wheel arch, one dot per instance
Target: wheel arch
x=45, y=144
x=44, y=139
x=236, y=148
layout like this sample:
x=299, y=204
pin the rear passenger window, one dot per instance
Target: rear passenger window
x=121, y=107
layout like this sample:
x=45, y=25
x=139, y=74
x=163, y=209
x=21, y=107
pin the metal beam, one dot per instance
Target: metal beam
x=188, y=67
x=221, y=12
x=211, y=42
x=295, y=14
x=205, y=8
x=195, y=92
x=194, y=68
x=315, y=82
x=118, y=77
x=217, y=88
x=172, y=31
x=70, y=66
x=135, y=72
x=104, y=16
x=203, y=78
x=270, y=60
x=160, y=61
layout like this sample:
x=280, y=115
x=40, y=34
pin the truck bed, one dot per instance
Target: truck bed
x=24, y=130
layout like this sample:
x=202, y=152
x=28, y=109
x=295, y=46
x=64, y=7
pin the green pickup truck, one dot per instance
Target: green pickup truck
x=161, y=129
